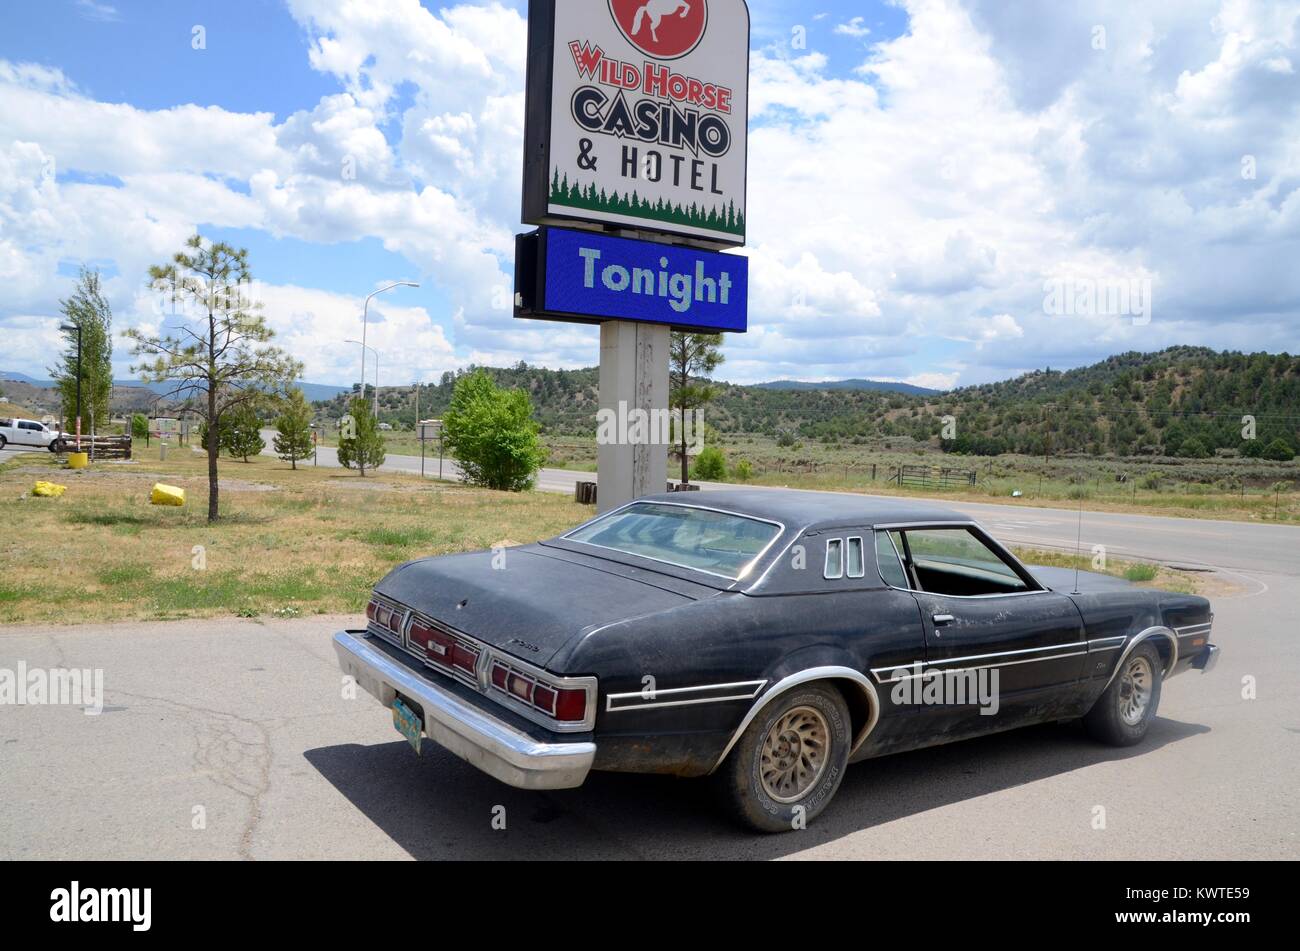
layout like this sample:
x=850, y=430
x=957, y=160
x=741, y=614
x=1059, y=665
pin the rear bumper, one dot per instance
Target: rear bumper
x=480, y=739
x=1206, y=659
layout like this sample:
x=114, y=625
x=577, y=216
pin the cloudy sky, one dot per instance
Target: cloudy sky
x=920, y=174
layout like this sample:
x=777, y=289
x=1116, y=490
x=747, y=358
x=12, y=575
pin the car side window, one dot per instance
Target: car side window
x=955, y=561
x=891, y=568
x=26, y=425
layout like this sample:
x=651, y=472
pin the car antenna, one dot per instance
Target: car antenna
x=1078, y=546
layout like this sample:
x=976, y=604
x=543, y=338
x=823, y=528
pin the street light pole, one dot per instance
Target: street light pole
x=365, y=311
x=69, y=329
x=364, y=348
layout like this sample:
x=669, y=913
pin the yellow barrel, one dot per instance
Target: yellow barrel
x=78, y=460
x=166, y=495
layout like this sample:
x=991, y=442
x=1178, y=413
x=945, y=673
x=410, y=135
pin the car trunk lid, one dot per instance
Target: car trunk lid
x=526, y=602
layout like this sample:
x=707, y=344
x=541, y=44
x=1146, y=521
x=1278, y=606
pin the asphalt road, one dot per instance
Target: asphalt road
x=231, y=739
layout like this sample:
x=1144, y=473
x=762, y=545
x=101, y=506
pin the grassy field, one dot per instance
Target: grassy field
x=1239, y=489
x=1233, y=488
x=289, y=543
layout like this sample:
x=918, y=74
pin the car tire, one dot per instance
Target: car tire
x=789, y=762
x=3, y=441
x=1123, y=713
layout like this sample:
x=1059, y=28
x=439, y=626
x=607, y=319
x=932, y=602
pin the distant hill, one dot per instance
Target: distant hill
x=1182, y=401
x=313, y=391
x=881, y=385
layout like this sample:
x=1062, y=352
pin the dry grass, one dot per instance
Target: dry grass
x=310, y=541
x=290, y=542
x=1141, y=574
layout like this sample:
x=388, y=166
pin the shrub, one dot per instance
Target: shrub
x=1140, y=572
x=710, y=465
x=743, y=471
x=1279, y=449
x=491, y=433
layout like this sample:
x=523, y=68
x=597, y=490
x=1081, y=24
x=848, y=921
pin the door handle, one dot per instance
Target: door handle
x=942, y=618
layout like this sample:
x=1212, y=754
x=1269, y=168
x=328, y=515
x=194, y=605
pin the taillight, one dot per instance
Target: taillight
x=384, y=617
x=566, y=704
x=463, y=658
x=571, y=705
x=442, y=648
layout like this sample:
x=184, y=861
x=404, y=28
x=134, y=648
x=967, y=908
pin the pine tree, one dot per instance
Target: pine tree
x=293, y=436
x=242, y=434
x=364, y=448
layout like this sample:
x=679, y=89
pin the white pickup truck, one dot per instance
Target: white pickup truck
x=28, y=434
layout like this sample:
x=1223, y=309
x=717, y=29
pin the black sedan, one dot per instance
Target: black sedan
x=764, y=638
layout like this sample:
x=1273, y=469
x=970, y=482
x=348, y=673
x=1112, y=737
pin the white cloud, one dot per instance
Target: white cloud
x=856, y=27
x=909, y=203
x=98, y=11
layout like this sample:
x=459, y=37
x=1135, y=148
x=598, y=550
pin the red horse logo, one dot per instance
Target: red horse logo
x=664, y=29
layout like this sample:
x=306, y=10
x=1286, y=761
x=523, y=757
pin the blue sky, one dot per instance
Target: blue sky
x=918, y=172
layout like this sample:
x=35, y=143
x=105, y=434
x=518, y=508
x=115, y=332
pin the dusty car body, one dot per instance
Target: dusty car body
x=765, y=637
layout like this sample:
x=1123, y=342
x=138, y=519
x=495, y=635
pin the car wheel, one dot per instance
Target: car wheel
x=2, y=442
x=790, y=760
x=1123, y=713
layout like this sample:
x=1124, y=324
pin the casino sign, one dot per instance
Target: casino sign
x=636, y=116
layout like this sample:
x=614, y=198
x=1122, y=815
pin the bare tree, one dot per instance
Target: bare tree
x=213, y=343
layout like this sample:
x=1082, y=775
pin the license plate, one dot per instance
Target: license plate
x=407, y=722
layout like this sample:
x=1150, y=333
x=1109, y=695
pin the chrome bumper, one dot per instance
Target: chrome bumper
x=1206, y=659
x=478, y=738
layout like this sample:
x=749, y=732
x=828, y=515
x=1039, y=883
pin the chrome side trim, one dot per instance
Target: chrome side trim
x=1091, y=646
x=1157, y=631
x=957, y=670
x=804, y=676
x=1105, y=643
x=1190, y=629
x=474, y=735
x=741, y=690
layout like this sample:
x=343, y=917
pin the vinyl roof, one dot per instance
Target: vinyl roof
x=803, y=509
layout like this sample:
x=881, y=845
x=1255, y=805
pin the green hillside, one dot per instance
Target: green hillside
x=1184, y=401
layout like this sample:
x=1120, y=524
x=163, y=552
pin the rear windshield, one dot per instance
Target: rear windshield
x=717, y=542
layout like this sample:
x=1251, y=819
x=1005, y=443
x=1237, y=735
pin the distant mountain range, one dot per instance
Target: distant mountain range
x=313, y=391
x=884, y=386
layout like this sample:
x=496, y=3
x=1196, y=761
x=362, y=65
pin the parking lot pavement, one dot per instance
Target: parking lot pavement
x=230, y=738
